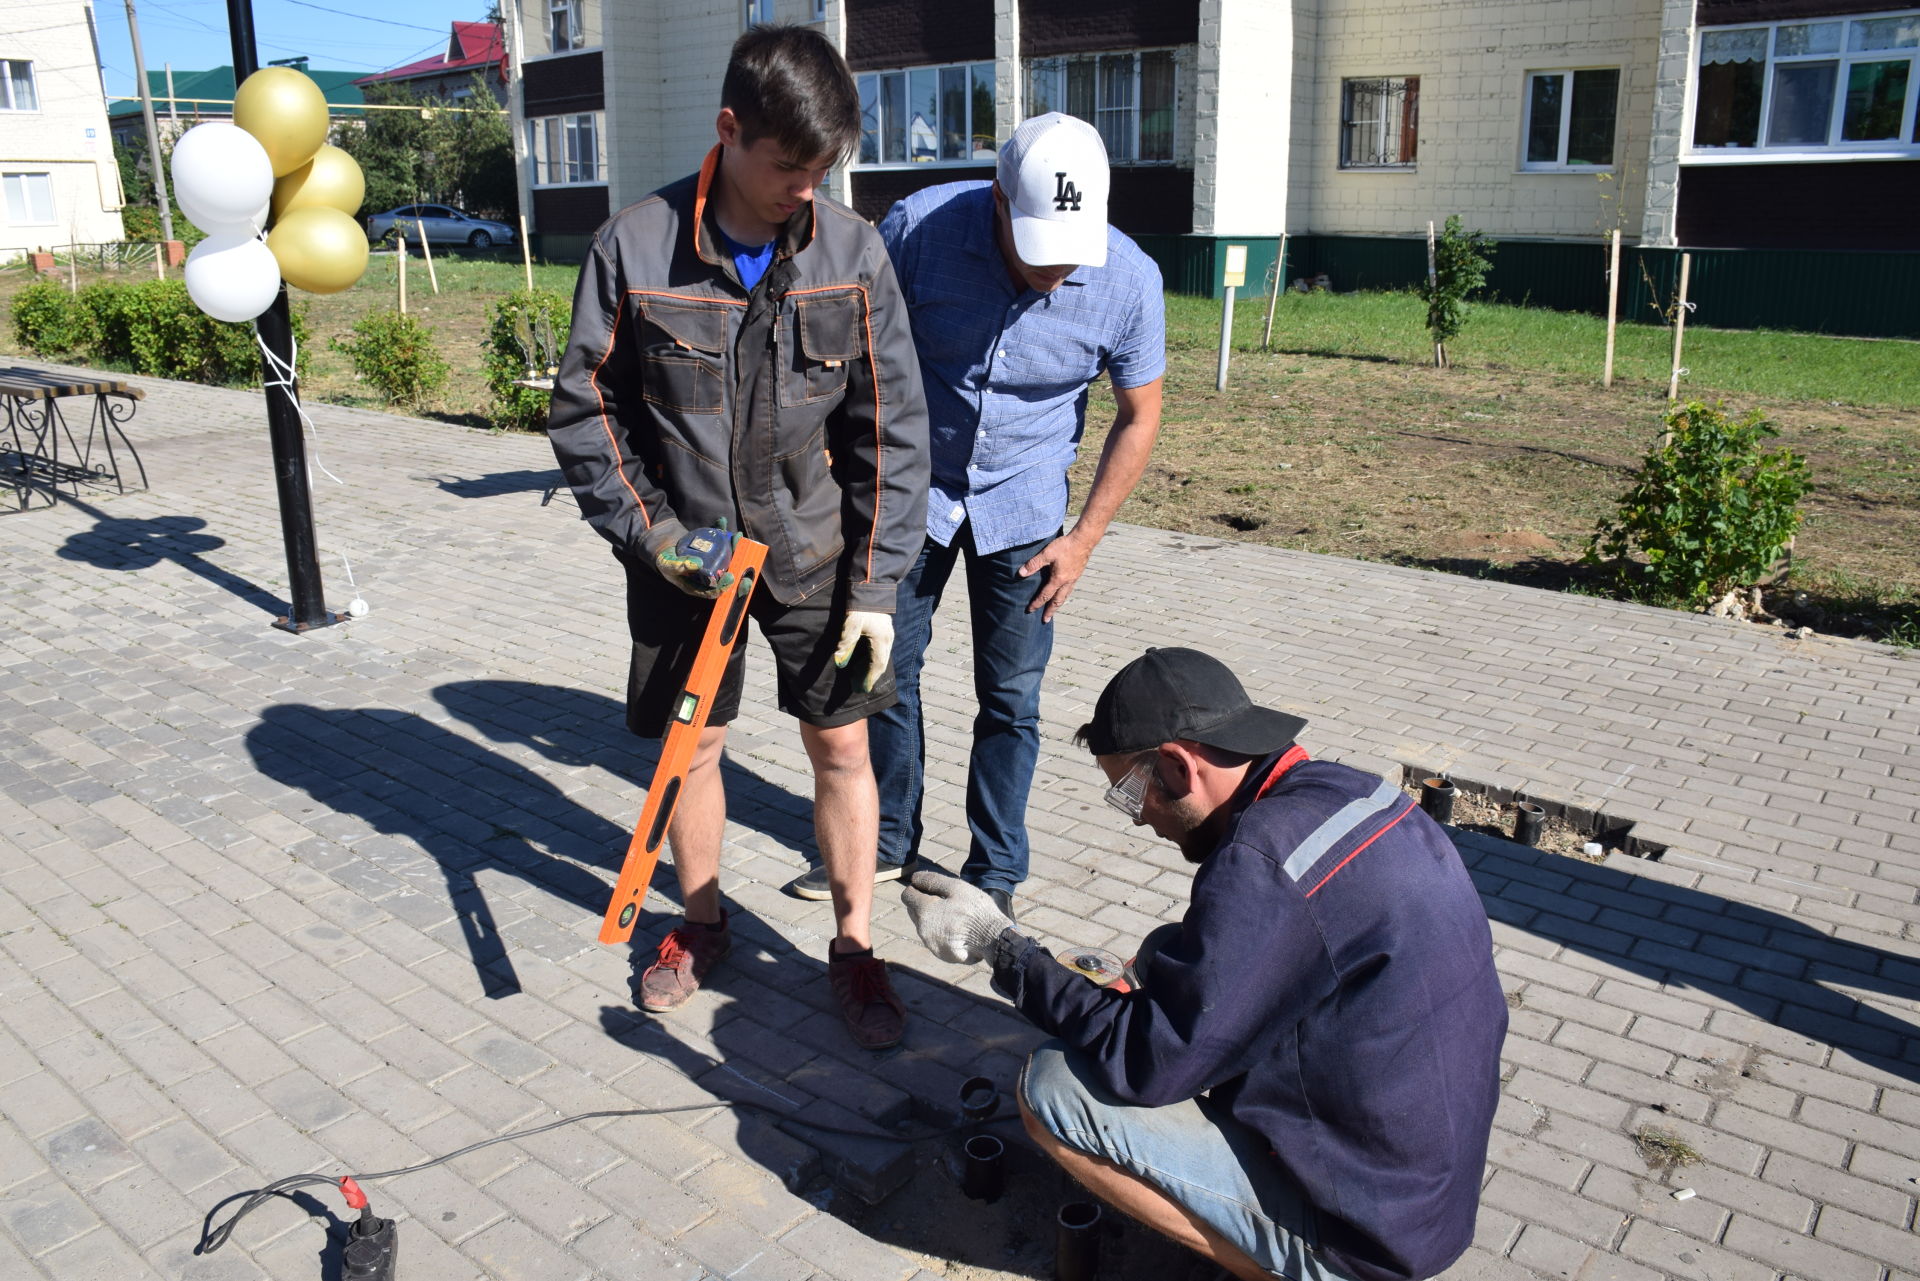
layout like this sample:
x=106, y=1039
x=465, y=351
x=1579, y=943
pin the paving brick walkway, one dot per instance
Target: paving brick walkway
x=273, y=904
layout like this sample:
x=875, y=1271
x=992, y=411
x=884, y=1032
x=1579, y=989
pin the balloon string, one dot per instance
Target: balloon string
x=284, y=376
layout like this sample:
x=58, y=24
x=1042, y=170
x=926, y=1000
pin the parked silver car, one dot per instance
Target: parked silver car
x=443, y=225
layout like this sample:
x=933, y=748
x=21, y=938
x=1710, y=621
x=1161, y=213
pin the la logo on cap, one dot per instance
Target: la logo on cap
x=1065, y=195
x=1053, y=173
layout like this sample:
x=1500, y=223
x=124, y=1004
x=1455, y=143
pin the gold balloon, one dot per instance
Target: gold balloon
x=332, y=180
x=286, y=112
x=319, y=249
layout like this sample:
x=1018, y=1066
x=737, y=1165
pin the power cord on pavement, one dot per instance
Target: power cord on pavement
x=372, y=1241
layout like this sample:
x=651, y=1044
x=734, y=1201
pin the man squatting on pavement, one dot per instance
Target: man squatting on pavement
x=1304, y=1082
x=1021, y=297
x=740, y=358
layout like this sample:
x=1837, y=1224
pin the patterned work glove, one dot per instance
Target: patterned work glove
x=957, y=921
x=878, y=629
x=697, y=564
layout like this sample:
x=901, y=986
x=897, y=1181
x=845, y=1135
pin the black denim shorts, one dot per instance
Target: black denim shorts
x=666, y=625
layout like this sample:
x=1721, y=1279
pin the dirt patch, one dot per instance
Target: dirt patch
x=1473, y=812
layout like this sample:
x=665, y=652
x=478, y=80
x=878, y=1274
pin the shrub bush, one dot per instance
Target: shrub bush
x=519, y=326
x=1461, y=260
x=47, y=321
x=151, y=327
x=1709, y=510
x=394, y=354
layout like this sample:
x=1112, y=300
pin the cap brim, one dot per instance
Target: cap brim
x=1252, y=731
x=1045, y=242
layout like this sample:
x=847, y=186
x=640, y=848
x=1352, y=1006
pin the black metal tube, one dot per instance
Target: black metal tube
x=307, y=605
x=1436, y=798
x=984, y=1175
x=979, y=1098
x=1528, y=819
x=1076, y=1242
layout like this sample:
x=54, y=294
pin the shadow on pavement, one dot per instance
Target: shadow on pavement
x=502, y=482
x=473, y=810
x=116, y=542
x=1775, y=968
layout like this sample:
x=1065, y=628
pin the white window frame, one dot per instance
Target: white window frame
x=574, y=11
x=544, y=131
x=1905, y=144
x=1344, y=160
x=1129, y=115
x=756, y=11
x=819, y=10
x=976, y=155
x=6, y=84
x=1560, y=163
x=20, y=213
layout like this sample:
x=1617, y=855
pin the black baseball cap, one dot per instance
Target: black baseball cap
x=1167, y=694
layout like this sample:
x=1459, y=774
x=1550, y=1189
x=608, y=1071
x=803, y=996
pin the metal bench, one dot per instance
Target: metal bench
x=39, y=451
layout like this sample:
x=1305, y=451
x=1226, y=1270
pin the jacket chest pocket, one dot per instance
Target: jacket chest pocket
x=681, y=349
x=818, y=341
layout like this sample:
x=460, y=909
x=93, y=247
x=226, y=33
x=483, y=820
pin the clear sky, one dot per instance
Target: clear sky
x=336, y=35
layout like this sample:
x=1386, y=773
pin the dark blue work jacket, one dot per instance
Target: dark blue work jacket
x=1333, y=985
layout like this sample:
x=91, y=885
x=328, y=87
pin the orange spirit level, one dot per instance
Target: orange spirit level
x=724, y=626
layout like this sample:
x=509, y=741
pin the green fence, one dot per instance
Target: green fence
x=1872, y=294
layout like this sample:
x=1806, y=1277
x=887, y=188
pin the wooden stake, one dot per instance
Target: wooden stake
x=433, y=277
x=526, y=252
x=73, y=262
x=1679, y=328
x=1613, y=305
x=1433, y=283
x=159, y=262
x=400, y=246
x=1273, y=299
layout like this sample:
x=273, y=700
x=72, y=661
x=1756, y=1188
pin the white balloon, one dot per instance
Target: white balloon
x=232, y=276
x=221, y=176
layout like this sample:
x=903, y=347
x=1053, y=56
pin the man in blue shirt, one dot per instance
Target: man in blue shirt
x=1021, y=296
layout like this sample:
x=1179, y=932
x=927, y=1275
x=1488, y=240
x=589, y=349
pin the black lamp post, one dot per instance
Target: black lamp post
x=307, y=599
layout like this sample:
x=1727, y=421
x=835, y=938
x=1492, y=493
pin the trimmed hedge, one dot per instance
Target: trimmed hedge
x=151, y=327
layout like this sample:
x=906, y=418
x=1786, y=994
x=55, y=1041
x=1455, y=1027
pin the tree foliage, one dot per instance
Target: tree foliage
x=432, y=152
x=1461, y=260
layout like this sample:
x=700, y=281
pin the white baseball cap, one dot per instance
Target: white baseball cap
x=1053, y=172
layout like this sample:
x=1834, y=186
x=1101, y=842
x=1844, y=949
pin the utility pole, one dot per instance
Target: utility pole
x=154, y=164
x=307, y=605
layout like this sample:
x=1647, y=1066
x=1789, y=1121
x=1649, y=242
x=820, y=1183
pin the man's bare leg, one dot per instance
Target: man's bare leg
x=1141, y=1201
x=846, y=825
x=699, y=825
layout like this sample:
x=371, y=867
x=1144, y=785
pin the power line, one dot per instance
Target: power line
x=304, y=4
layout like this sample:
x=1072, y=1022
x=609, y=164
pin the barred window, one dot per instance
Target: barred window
x=1380, y=122
x=1129, y=97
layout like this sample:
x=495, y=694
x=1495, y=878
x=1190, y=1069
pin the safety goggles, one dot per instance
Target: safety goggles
x=1129, y=794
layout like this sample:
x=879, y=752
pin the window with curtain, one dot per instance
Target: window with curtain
x=927, y=115
x=1570, y=118
x=29, y=197
x=1842, y=84
x=17, y=91
x=564, y=28
x=1129, y=97
x=1380, y=122
x=566, y=150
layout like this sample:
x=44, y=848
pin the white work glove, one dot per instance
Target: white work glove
x=878, y=629
x=957, y=921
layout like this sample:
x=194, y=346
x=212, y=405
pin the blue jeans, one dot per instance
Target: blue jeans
x=1194, y=1152
x=1010, y=652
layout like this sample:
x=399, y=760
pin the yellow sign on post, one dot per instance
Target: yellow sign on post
x=1236, y=266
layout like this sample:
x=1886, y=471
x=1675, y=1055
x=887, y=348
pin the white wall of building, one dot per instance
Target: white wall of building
x=63, y=141
x=1243, y=117
x=1473, y=61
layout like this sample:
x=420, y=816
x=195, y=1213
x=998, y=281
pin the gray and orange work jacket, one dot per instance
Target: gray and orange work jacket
x=793, y=410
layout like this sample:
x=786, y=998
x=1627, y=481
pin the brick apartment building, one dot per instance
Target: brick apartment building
x=1773, y=133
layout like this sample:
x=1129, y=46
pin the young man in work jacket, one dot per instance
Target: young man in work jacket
x=740, y=358
x=1304, y=1082
x=1022, y=297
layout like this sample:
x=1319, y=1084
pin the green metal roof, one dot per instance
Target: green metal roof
x=210, y=93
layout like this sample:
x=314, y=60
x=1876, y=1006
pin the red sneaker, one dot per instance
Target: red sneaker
x=687, y=953
x=875, y=1016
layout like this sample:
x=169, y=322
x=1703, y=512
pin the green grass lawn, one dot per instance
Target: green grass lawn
x=1391, y=326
